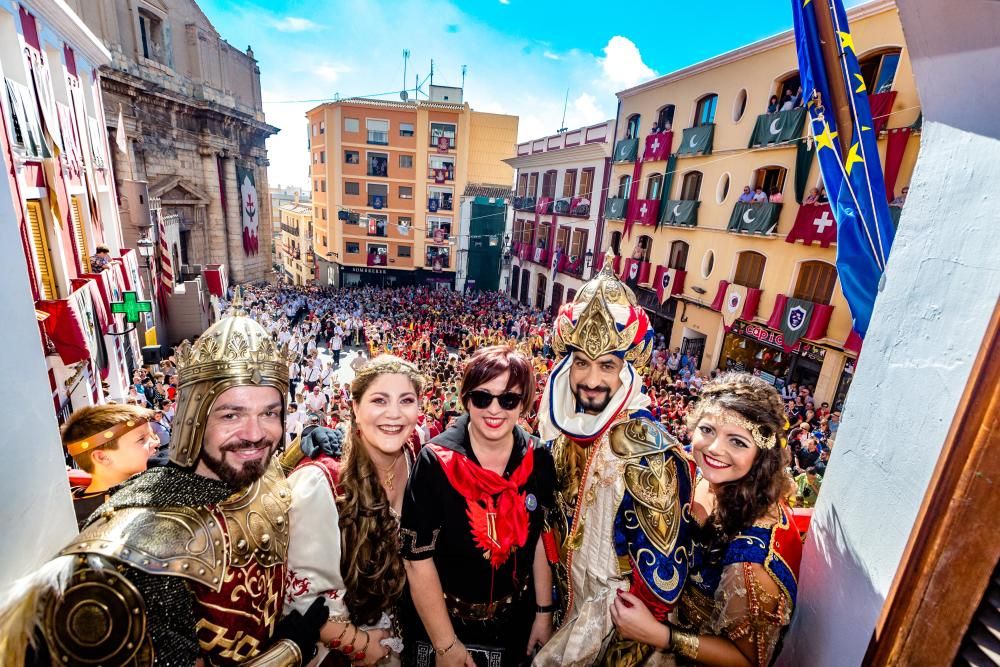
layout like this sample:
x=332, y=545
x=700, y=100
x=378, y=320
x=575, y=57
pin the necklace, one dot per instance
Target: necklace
x=390, y=474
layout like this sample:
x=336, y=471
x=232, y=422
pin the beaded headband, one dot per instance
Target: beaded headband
x=374, y=367
x=103, y=437
x=734, y=418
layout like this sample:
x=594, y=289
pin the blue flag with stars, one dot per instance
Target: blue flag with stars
x=853, y=182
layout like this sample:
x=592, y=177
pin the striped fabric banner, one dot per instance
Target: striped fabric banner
x=166, y=269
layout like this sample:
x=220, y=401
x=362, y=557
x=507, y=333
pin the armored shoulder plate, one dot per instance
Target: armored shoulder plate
x=257, y=519
x=100, y=619
x=633, y=438
x=180, y=541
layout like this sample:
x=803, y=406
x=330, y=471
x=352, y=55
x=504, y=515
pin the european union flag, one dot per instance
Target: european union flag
x=853, y=182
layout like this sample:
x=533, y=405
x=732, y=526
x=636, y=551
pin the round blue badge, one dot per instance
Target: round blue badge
x=531, y=502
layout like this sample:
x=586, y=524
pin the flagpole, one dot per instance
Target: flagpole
x=834, y=75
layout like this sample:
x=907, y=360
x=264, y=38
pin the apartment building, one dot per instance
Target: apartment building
x=387, y=178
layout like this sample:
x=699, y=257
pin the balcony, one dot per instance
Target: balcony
x=778, y=128
x=540, y=256
x=751, y=218
x=614, y=208
x=441, y=174
x=378, y=168
x=573, y=267
x=290, y=229
x=544, y=206
x=378, y=138
x=697, y=140
x=627, y=150
x=377, y=202
x=442, y=144
x=635, y=272
x=578, y=207
x=658, y=146
x=524, y=203
x=680, y=213
x=645, y=212
x=377, y=259
x=435, y=205
x=438, y=235
x=815, y=318
x=437, y=260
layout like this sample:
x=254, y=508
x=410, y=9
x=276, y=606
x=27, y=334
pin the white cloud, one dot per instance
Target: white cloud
x=551, y=56
x=586, y=110
x=504, y=2
x=330, y=72
x=622, y=65
x=294, y=24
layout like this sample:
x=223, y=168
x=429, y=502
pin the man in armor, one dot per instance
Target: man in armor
x=624, y=485
x=184, y=564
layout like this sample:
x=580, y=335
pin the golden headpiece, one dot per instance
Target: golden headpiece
x=235, y=351
x=605, y=318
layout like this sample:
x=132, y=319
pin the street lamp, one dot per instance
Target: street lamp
x=146, y=247
x=588, y=261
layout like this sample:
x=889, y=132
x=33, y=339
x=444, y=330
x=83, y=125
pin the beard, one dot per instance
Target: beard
x=245, y=475
x=595, y=406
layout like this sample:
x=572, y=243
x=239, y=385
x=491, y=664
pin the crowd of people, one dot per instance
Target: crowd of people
x=438, y=490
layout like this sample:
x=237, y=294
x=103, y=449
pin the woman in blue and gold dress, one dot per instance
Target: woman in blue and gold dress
x=745, y=556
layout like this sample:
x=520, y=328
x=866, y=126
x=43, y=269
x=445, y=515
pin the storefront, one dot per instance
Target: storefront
x=755, y=349
x=845, y=383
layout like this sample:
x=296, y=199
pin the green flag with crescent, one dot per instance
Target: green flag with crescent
x=697, y=140
x=614, y=208
x=754, y=218
x=681, y=212
x=626, y=150
x=778, y=128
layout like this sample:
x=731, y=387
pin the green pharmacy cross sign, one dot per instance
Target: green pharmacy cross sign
x=132, y=308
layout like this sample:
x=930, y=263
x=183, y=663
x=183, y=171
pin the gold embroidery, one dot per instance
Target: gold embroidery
x=411, y=535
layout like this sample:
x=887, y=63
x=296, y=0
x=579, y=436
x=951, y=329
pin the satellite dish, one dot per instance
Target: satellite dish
x=403, y=95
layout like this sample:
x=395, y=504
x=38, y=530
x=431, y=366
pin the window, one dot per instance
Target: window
x=770, y=179
x=378, y=225
x=378, y=164
x=43, y=256
x=406, y=162
x=704, y=113
x=352, y=157
x=404, y=224
x=678, y=256
x=815, y=282
x=322, y=127
x=324, y=214
x=522, y=185
x=749, y=269
x=578, y=244
x=691, y=186
x=616, y=242
x=151, y=36
x=315, y=129
x=632, y=127
x=569, y=183
x=352, y=125
x=549, y=184
x=653, y=185
x=624, y=183
x=378, y=195
x=406, y=129
x=322, y=157
x=586, y=183
x=532, y=185
x=439, y=130
x=405, y=192
x=643, y=248
x=879, y=70
x=403, y=251
x=790, y=83
x=378, y=131
x=352, y=188
x=722, y=191
x=322, y=185
x=665, y=118
x=707, y=264
x=352, y=248
x=739, y=105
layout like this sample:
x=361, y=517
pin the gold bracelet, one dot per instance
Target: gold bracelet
x=442, y=651
x=684, y=644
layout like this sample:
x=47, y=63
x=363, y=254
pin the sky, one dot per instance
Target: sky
x=522, y=57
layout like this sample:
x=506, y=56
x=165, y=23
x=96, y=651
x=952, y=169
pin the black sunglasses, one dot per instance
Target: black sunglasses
x=482, y=399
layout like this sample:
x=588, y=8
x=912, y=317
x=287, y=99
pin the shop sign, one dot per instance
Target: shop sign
x=774, y=339
x=363, y=269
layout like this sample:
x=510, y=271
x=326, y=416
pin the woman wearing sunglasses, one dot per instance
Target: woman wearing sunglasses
x=473, y=513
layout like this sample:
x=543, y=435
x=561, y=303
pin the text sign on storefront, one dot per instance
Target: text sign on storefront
x=774, y=339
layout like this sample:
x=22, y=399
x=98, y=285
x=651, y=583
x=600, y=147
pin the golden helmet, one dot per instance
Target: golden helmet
x=604, y=318
x=235, y=351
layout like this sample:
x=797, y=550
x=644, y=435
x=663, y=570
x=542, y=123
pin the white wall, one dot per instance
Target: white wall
x=36, y=517
x=942, y=283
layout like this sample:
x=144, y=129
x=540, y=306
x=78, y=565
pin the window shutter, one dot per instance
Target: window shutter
x=80, y=234
x=982, y=639
x=36, y=224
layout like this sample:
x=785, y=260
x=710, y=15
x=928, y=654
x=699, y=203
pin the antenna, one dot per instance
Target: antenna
x=432, y=71
x=565, y=103
x=464, y=68
x=416, y=86
x=406, y=57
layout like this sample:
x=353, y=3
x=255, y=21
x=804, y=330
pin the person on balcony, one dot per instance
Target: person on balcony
x=776, y=196
x=747, y=196
x=812, y=198
x=900, y=201
x=773, y=105
x=758, y=196
x=100, y=260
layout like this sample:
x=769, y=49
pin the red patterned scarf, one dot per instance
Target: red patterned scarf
x=498, y=527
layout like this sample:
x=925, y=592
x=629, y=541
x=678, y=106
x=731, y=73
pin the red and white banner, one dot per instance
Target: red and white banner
x=814, y=223
x=658, y=146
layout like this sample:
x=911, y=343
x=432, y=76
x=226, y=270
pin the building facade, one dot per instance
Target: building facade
x=558, y=188
x=62, y=194
x=295, y=250
x=192, y=113
x=387, y=178
x=484, y=213
x=690, y=144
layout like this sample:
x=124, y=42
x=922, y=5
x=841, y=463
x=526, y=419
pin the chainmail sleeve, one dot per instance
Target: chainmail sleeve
x=170, y=617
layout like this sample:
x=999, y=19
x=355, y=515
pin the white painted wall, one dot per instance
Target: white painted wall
x=36, y=517
x=943, y=281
